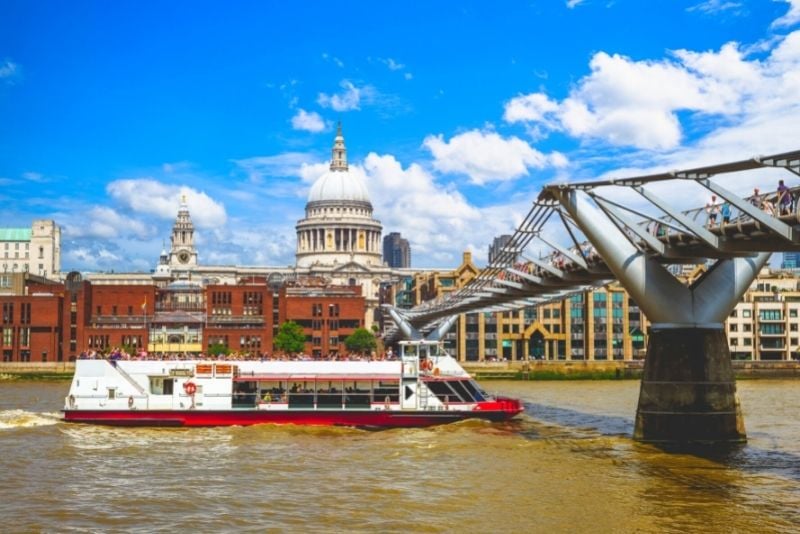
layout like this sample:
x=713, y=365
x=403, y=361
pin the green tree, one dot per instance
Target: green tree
x=217, y=349
x=290, y=338
x=361, y=341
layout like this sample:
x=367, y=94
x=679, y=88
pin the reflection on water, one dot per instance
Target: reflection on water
x=567, y=463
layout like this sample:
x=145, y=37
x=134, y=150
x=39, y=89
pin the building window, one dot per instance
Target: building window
x=733, y=327
x=746, y=314
x=24, y=337
x=8, y=337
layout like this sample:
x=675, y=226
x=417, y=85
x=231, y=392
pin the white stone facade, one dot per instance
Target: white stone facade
x=36, y=250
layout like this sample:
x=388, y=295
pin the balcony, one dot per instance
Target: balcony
x=780, y=333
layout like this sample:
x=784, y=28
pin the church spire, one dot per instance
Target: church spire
x=339, y=160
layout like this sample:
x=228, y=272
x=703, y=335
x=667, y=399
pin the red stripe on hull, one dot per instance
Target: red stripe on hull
x=372, y=418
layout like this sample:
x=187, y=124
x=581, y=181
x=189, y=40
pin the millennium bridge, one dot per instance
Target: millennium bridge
x=582, y=235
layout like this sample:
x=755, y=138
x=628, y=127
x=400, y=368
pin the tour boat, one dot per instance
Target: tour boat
x=425, y=386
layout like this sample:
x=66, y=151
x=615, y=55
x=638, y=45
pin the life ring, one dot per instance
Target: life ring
x=130, y=401
x=190, y=388
x=427, y=365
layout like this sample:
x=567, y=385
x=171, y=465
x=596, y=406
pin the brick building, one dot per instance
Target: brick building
x=43, y=320
x=327, y=314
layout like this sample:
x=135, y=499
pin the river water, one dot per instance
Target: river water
x=568, y=464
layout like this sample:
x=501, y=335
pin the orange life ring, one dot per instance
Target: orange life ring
x=427, y=365
x=190, y=388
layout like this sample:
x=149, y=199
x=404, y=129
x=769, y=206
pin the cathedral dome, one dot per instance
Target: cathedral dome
x=339, y=184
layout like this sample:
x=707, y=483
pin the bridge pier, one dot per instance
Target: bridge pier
x=688, y=392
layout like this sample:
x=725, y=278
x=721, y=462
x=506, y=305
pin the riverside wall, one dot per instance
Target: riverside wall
x=534, y=370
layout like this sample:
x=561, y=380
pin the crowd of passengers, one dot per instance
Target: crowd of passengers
x=118, y=353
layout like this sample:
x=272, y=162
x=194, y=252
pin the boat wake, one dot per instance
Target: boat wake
x=11, y=419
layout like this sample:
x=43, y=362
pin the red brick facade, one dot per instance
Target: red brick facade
x=327, y=315
x=48, y=321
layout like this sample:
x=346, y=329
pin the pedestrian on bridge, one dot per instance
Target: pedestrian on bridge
x=712, y=209
x=726, y=212
x=784, y=198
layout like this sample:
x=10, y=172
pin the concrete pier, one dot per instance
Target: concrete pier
x=688, y=391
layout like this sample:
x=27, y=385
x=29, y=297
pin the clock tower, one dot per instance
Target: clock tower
x=182, y=253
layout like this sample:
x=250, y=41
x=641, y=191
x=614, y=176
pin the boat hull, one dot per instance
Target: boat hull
x=353, y=418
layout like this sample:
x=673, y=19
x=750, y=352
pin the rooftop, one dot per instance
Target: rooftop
x=15, y=234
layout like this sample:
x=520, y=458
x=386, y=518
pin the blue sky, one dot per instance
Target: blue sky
x=454, y=113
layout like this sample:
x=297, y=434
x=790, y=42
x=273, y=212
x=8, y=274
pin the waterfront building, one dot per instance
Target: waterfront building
x=396, y=251
x=44, y=320
x=328, y=315
x=765, y=325
x=791, y=261
x=36, y=249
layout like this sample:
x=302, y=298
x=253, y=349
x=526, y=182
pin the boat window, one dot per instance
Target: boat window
x=387, y=389
x=474, y=389
x=442, y=391
x=462, y=391
x=410, y=350
x=160, y=385
x=245, y=394
x=272, y=390
x=357, y=394
x=301, y=394
x=112, y=393
x=330, y=393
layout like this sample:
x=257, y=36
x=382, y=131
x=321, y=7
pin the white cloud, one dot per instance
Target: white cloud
x=349, y=99
x=637, y=103
x=9, y=71
x=311, y=122
x=791, y=18
x=484, y=156
x=262, y=167
x=107, y=223
x=531, y=107
x=333, y=59
x=574, y=3
x=438, y=220
x=150, y=197
x=712, y=7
